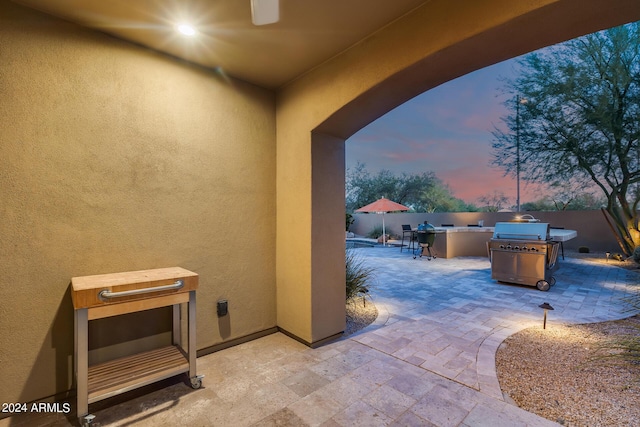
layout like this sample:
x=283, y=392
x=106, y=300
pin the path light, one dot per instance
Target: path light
x=608, y=255
x=546, y=307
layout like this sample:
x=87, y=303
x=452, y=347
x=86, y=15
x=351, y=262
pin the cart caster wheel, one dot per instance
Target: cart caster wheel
x=552, y=280
x=543, y=285
x=414, y=257
x=87, y=420
x=196, y=382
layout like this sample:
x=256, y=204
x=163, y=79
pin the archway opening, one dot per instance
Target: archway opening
x=497, y=44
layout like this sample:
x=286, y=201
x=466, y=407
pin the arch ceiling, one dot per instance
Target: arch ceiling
x=308, y=33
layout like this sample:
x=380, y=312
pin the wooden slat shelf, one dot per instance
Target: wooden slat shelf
x=127, y=373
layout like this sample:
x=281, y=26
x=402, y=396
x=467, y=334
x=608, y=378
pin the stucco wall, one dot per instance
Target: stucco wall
x=117, y=158
x=593, y=230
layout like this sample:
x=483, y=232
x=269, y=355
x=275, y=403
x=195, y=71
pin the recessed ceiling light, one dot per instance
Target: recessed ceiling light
x=186, y=29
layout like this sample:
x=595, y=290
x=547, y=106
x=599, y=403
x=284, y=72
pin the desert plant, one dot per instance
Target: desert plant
x=375, y=232
x=636, y=255
x=359, y=276
x=350, y=220
x=583, y=250
x=625, y=347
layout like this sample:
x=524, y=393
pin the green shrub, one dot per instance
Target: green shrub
x=583, y=250
x=359, y=275
x=636, y=255
x=350, y=221
x=375, y=232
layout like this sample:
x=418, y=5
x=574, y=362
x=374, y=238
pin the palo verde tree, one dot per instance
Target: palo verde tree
x=575, y=117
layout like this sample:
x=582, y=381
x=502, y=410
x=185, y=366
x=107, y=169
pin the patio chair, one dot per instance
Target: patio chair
x=406, y=229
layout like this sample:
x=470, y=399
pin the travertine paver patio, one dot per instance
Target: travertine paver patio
x=428, y=360
x=449, y=317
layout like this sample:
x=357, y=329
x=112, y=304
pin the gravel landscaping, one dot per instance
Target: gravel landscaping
x=560, y=373
x=360, y=314
x=557, y=373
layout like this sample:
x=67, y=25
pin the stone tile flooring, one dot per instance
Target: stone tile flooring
x=429, y=359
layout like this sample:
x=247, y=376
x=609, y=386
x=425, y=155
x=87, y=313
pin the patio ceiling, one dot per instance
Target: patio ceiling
x=308, y=33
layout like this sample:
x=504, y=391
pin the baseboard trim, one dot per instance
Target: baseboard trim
x=314, y=344
x=236, y=341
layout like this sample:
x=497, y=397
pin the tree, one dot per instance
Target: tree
x=563, y=200
x=581, y=121
x=420, y=192
x=493, y=202
x=572, y=196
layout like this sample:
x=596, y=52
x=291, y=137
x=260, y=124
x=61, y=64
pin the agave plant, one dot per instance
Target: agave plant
x=359, y=275
x=624, y=347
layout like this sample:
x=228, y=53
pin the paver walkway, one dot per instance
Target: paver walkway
x=449, y=317
x=429, y=359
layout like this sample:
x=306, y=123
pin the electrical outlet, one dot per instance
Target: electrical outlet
x=223, y=307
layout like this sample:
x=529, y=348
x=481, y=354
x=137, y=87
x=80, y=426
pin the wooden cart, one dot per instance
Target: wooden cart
x=106, y=295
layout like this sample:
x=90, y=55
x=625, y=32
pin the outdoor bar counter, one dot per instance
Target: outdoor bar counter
x=452, y=242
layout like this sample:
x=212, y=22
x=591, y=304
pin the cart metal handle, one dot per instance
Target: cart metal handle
x=106, y=294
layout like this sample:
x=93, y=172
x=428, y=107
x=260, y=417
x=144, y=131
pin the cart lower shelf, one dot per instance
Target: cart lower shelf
x=127, y=373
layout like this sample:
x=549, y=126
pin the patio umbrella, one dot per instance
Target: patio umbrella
x=382, y=206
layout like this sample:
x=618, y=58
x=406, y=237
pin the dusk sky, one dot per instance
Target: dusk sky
x=446, y=130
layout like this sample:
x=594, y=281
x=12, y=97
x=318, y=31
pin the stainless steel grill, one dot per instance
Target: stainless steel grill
x=523, y=253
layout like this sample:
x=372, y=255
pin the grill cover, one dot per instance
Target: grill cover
x=521, y=230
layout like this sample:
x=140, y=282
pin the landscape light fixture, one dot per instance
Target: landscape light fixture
x=546, y=307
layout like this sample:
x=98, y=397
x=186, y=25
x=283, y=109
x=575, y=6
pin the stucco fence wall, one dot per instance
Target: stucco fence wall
x=593, y=230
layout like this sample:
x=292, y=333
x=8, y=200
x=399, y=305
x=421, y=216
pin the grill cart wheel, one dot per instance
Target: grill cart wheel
x=543, y=285
x=552, y=280
x=196, y=382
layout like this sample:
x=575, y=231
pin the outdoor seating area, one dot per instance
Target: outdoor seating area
x=429, y=357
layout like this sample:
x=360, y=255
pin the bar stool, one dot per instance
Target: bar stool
x=406, y=229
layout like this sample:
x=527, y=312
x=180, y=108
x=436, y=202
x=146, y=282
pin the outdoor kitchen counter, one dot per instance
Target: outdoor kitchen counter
x=453, y=242
x=562, y=235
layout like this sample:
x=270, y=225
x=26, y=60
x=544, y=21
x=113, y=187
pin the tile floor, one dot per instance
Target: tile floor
x=429, y=359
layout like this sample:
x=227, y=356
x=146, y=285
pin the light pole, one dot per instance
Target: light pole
x=518, y=102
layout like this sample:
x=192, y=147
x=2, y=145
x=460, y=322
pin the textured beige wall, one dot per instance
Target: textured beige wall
x=116, y=158
x=593, y=230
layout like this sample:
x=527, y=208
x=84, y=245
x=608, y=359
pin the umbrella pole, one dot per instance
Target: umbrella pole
x=384, y=234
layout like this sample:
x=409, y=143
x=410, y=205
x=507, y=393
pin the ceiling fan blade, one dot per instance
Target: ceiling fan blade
x=265, y=12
